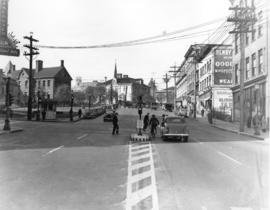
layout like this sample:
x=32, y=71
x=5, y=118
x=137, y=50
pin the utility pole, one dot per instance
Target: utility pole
x=166, y=80
x=7, y=124
x=244, y=17
x=32, y=52
x=111, y=93
x=174, y=76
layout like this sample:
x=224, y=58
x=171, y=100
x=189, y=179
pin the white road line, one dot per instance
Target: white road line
x=221, y=153
x=84, y=135
x=241, y=208
x=53, y=150
x=140, y=165
x=134, y=198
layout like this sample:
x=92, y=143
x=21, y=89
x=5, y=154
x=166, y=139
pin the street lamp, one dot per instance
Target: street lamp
x=71, y=107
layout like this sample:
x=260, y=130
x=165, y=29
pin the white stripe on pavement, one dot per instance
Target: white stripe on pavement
x=228, y=157
x=141, y=186
x=53, y=150
x=84, y=135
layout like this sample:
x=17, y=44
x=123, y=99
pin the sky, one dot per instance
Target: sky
x=94, y=22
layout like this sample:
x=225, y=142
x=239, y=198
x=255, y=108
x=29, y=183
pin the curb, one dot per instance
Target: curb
x=12, y=131
x=238, y=132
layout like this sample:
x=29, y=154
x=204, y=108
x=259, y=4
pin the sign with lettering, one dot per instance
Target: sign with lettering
x=223, y=100
x=7, y=41
x=223, y=66
x=3, y=18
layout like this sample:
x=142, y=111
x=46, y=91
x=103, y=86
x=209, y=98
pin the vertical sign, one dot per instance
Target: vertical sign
x=3, y=18
x=223, y=66
x=7, y=41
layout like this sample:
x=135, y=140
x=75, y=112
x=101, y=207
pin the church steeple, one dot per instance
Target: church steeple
x=115, y=70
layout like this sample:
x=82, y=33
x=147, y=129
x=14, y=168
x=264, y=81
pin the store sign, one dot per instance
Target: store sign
x=7, y=41
x=223, y=66
x=3, y=17
x=223, y=100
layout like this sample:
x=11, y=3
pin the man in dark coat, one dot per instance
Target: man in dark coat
x=145, y=121
x=115, y=124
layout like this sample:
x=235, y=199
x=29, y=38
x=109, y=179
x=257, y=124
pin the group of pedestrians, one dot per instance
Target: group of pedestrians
x=153, y=123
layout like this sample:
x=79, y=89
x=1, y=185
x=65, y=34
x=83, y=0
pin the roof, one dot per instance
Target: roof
x=127, y=80
x=48, y=72
x=15, y=74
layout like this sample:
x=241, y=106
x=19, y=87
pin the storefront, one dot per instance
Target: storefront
x=254, y=101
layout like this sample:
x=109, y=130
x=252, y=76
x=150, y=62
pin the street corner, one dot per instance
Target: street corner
x=13, y=130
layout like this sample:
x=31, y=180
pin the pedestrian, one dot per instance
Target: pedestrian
x=145, y=121
x=256, y=124
x=43, y=114
x=202, y=112
x=162, y=124
x=153, y=125
x=80, y=113
x=115, y=123
x=264, y=124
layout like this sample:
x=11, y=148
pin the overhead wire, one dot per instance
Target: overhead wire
x=150, y=38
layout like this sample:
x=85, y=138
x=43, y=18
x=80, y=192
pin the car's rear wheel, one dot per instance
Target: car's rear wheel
x=185, y=138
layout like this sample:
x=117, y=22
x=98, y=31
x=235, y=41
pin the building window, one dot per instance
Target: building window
x=236, y=74
x=26, y=83
x=260, y=61
x=44, y=83
x=253, y=34
x=209, y=80
x=48, y=83
x=39, y=83
x=253, y=63
x=236, y=47
x=259, y=31
x=247, y=39
x=247, y=68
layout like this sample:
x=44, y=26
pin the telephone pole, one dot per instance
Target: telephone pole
x=174, y=76
x=32, y=52
x=244, y=17
x=7, y=124
x=166, y=80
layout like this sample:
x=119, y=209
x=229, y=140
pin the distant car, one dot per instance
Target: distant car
x=108, y=117
x=154, y=106
x=175, y=128
x=169, y=107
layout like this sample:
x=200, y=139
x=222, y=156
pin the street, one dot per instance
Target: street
x=63, y=165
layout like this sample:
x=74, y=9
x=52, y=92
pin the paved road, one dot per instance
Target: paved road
x=82, y=166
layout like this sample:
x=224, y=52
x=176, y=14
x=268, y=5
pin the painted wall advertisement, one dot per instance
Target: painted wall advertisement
x=223, y=100
x=223, y=66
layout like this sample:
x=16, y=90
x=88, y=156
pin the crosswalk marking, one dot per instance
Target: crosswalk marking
x=141, y=181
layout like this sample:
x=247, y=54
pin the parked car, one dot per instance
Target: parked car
x=176, y=128
x=108, y=117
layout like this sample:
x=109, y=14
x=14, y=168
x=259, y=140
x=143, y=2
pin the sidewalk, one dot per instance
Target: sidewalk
x=233, y=127
x=13, y=128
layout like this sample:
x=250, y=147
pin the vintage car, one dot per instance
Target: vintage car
x=175, y=128
x=108, y=117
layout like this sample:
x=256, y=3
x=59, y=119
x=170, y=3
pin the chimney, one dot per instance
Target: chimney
x=39, y=65
x=13, y=67
x=62, y=63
